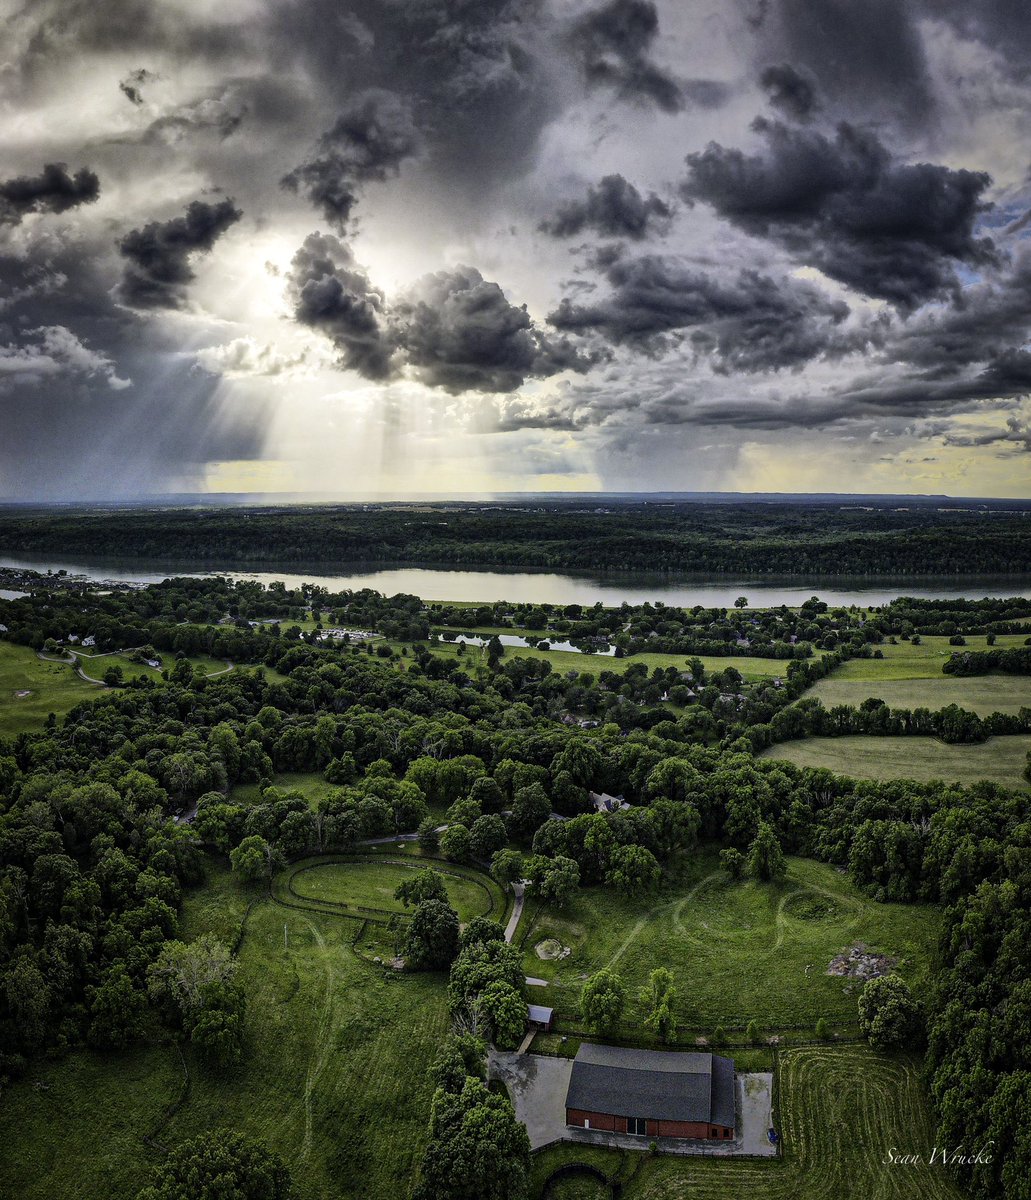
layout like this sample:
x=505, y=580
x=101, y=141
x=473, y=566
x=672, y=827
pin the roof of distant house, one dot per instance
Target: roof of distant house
x=656, y=1084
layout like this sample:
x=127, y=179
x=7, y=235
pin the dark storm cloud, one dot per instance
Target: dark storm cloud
x=889, y=230
x=52, y=191
x=221, y=112
x=1014, y=438
x=748, y=322
x=333, y=294
x=479, y=87
x=867, y=56
x=158, y=267
x=613, y=44
x=459, y=332
x=614, y=208
x=790, y=91
x=369, y=141
x=454, y=330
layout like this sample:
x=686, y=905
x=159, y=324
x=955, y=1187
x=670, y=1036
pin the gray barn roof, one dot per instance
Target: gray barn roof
x=540, y=1014
x=659, y=1084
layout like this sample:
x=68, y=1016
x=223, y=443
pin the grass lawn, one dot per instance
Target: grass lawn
x=738, y=950
x=918, y=662
x=1000, y=759
x=334, y=1074
x=371, y=885
x=52, y=687
x=982, y=694
x=841, y=1109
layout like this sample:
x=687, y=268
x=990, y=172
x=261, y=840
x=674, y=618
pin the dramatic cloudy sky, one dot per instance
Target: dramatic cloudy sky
x=484, y=245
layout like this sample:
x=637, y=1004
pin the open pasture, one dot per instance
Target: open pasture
x=981, y=694
x=923, y=661
x=31, y=688
x=841, y=1109
x=333, y=1076
x=738, y=950
x=1001, y=759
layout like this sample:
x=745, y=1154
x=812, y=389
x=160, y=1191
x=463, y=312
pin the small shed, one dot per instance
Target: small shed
x=540, y=1018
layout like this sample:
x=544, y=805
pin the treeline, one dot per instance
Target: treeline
x=710, y=538
x=1016, y=661
x=951, y=724
x=947, y=617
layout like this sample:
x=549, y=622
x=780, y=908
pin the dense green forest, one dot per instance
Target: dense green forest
x=95, y=856
x=765, y=539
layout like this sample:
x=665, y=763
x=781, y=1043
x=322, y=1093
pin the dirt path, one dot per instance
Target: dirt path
x=517, y=912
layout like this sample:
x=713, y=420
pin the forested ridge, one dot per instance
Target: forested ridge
x=93, y=864
x=768, y=539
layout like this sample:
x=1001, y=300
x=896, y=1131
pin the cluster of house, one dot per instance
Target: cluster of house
x=349, y=635
x=74, y=640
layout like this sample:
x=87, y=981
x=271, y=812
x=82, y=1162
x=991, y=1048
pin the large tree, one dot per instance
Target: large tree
x=765, y=857
x=602, y=1000
x=431, y=940
x=477, y=1149
x=889, y=1013
x=221, y=1165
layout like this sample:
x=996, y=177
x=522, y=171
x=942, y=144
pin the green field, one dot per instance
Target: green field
x=924, y=661
x=311, y=785
x=841, y=1110
x=738, y=950
x=982, y=694
x=333, y=1077
x=52, y=687
x=371, y=885
x=595, y=664
x=1000, y=759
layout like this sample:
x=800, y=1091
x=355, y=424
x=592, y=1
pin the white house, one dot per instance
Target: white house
x=89, y=641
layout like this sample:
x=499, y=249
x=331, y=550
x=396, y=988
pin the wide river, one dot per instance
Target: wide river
x=442, y=583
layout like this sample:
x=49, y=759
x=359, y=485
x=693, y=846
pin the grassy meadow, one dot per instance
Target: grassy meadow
x=1000, y=759
x=333, y=1077
x=924, y=661
x=840, y=1109
x=739, y=950
x=982, y=694
x=52, y=687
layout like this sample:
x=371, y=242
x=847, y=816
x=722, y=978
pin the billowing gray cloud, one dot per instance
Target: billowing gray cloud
x=54, y=190
x=452, y=330
x=614, y=43
x=790, y=91
x=157, y=267
x=867, y=58
x=369, y=141
x=459, y=332
x=333, y=294
x=888, y=229
x=613, y=208
x=745, y=322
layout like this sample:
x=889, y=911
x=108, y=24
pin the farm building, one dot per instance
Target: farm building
x=540, y=1017
x=652, y=1093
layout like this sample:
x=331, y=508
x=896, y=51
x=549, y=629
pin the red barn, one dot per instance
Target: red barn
x=652, y=1093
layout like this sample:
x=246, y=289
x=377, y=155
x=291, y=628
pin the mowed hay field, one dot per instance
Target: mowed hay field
x=982, y=694
x=738, y=950
x=841, y=1110
x=924, y=661
x=1001, y=759
x=333, y=1078
x=52, y=687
